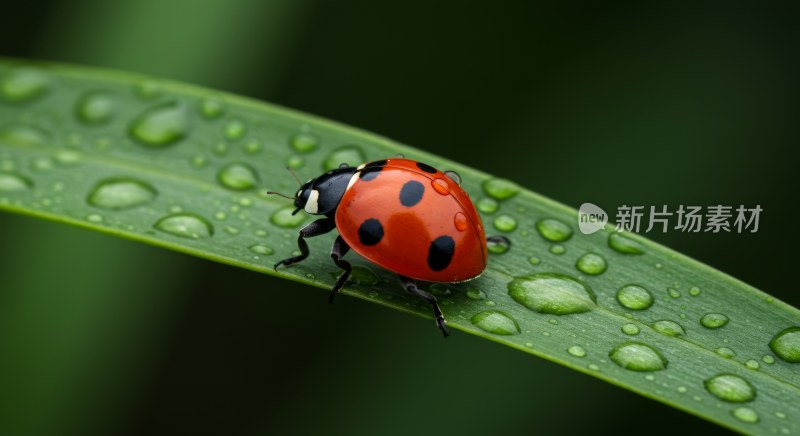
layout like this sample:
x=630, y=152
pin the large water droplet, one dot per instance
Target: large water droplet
x=500, y=189
x=22, y=134
x=14, y=183
x=713, y=320
x=238, y=176
x=283, y=217
x=637, y=356
x=161, y=125
x=634, y=297
x=261, y=249
x=23, y=84
x=730, y=388
x=554, y=230
x=487, y=205
x=121, y=193
x=496, y=322
x=623, y=244
x=552, y=293
x=185, y=225
x=577, y=351
x=786, y=344
x=304, y=143
x=95, y=107
x=669, y=328
x=592, y=264
x=745, y=414
x=349, y=154
x=505, y=223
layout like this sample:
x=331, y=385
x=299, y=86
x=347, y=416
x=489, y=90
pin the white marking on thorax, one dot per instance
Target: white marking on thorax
x=353, y=180
x=311, y=204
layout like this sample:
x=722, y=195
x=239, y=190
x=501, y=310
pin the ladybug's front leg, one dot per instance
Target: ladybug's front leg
x=411, y=286
x=318, y=227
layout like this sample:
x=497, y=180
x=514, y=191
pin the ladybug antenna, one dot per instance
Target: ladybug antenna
x=295, y=176
x=282, y=195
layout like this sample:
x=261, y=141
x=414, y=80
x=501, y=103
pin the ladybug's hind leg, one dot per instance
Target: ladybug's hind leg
x=316, y=228
x=339, y=249
x=411, y=286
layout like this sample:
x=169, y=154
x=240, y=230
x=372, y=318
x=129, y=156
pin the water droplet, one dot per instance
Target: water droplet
x=440, y=186
x=497, y=246
x=121, y=193
x=637, y=356
x=634, y=297
x=161, y=126
x=304, y=143
x=488, y=205
x=235, y=129
x=591, y=264
x=552, y=293
x=496, y=322
x=681, y=389
x=295, y=162
x=21, y=134
x=94, y=218
x=630, y=329
x=768, y=359
x=534, y=260
x=253, y=146
x=577, y=351
x=23, y=84
x=786, y=344
x=694, y=291
x=261, y=249
x=454, y=176
x=460, y=221
x=476, y=294
x=95, y=107
x=554, y=230
x=500, y=189
x=14, y=183
x=231, y=230
x=713, y=320
x=593, y=367
x=199, y=161
x=730, y=388
x=148, y=89
x=726, y=352
x=745, y=414
x=349, y=154
x=669, y=328
x=211, y=108
x=752, y=364
x=505, y=223
x=490, y=303
x=238, y=176
x=283, y=217
x=674, y=293
x=780, y=415
x=439, y=289
x=185, y=225
x=623, y=244
x=364, y=276
x=558, y=249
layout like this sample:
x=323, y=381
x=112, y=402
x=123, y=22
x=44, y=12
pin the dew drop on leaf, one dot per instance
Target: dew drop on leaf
x=349, y=154
x=730, y=388
x=591, y=264
x=283, y=218
x=634, y=297
x=121, y=193
x=238, y=176
x=23, y=84
x=10, y=182
x=505, y=223
x=623, y=244
x=668, y=328
x=304, y=143
x=161, y=126
x=746, y=414
x=500, y=189
x=554, y=230
x=577, y=351
x=96, y=107
x=637, y=356
x=786, y=344
x=185, y=225
x=713, y=320
x=552, y=293
x=496, y=322
x=487, y=205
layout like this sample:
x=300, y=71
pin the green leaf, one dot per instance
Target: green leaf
x=188, y=169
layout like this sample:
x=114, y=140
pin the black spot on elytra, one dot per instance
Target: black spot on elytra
x=370, y=232
x=411, y=193
x=427, y=168
x=441, y=252
x=369, y=173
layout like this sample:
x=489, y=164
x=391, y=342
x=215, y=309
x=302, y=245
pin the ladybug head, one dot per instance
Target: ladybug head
x=303, y=195
x=321, y=195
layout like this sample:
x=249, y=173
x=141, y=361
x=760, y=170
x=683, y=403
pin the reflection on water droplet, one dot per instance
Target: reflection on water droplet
x=261, y=249
x=235, y=129
x=121, y=193
x=786, y=344
x=283, y=217
x=23, y=84
x=552, y=293
x=634, y=297
x=730, y=388
x=238, y=176
x=185, y=225
x=591, y=264
x=161, y=126
x=713, y=320
x=349, y=154
x=500, y=189
x=623, y=244
x=746, y=414
x=496, y=322
x=487, y=205
x=95, y=107
x=10, y=182
x=505, y=223
x=637, y=356
x=577, y=351
x=668, y=328
x=630, y=329
x=554, y=230
x=304, y=142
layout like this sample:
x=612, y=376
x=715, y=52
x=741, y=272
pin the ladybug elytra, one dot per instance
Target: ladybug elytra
x=399, y=214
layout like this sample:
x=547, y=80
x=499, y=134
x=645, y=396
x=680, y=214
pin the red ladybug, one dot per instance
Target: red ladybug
x=402, y=215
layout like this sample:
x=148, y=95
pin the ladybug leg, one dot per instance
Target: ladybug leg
x=411, y=287
x=316, y=228
x=340, y=248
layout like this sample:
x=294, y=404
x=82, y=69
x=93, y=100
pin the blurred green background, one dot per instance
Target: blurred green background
x=621, y=104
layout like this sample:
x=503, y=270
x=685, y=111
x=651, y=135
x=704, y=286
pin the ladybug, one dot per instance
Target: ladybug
x=399, y=214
